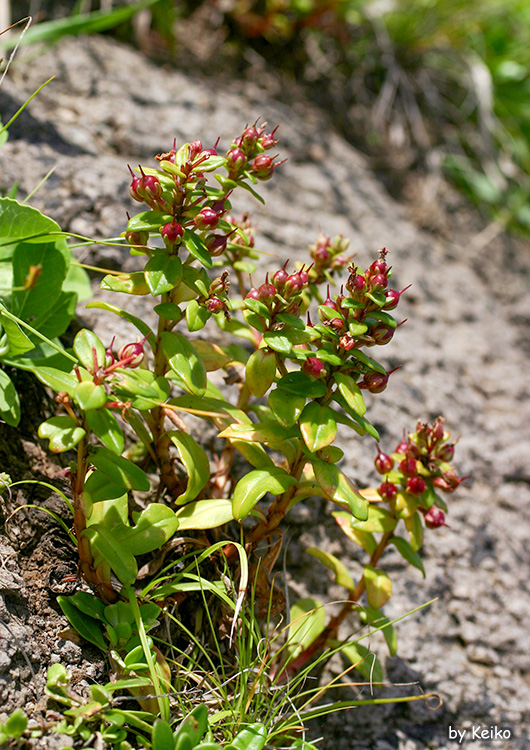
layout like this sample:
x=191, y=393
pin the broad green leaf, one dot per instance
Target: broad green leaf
x=54, y=321
x=252, y=737
x=213, y=356
x=163, y=272
x=254, y=453
x=185, y=362
x=196, y=316
x=278, y=341
x=17, y=340
x=370, y=363
x=78, y=281
x=105, y=547
x=379, y=520
x=89, y=350
x=110, y=513
x=366, y=662
x=307, y=621
x=260, y=371
x=169, y=311
x=90, y=396
x=127, y=283
x=196, y=247
x=342, y=577
x=196, y=462
x=377, y=619
x=405, y=550
x=99, y=488
x=339, y=489
x=52, y=258
x=154, y=526
x=351, y=393
x=86, y=626
x=263, y=432
x=105, y=426
x=162, y=737
x=9, y=401
x=62, y=432
x=252, y=487
x=148, y=221
x=21, y=223
x=302, y=385
x=364, y=539
x=119, y=470
x=286, y=406
x=318, y=426
x=378, y=587
x=205, y=514
x=360, y=424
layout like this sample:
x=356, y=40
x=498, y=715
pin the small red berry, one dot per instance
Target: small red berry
x=207, y=218
x=408, y=467
x=388, y=490
x=434, y=518
x=383, y=463
x=416, y=485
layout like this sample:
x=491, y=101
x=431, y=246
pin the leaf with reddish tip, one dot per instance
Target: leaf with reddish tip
x=308, y=620
x=342, y=577
x=254, y=485
x=340, y=489
x=364, y=539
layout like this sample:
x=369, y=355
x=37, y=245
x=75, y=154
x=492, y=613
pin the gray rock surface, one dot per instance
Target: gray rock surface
x=464, y=353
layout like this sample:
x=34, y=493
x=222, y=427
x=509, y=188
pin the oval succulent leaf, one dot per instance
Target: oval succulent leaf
x=252, y=487
x=260, y=371
x=205, y=514
x=405, y=550
x=90, y=396
x=62, y=432
x=185, y=362
x=196, y=462
x=286, y=406
x=339, y=489
x=378, y=587
x=366, y=662
x=318, y=426
x=89, y=350
x=364, y=539
x=308, y=620
x=351, y=392
x=162, y=273
x=128, y=283
x=120, y=470
x=342, y=577
x=105, y=426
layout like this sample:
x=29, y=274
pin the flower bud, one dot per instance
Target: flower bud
x=137, y=238
x=314, y=367
x=408, y=467
x=235, y=160
x=383, y=463
x=347, y=342
x=294, y=284
x=266, y=291
x=375, y=382
x=262, y=166
x=134, y=351
x=416, y=485
x=379, y=282
x=215, y=305
x=206, y=219
x=171, y=233
x=392, y=297
x=382, y=333
x=252, y=293
x=434, y=518
x=387, y=490
x=404, y=445
x=250, y=135
x=216, y=244
x=268, y=140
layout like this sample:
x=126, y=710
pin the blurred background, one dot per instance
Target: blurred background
x=430, y=90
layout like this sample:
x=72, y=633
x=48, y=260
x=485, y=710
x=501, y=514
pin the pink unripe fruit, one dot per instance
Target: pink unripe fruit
x=262, y=165
x=214, y=305
x=314, y=367
x=266, y=290
x=135, y=351
x=280, y=278
x=382, y=333
x=403, y=446
x=206, y=219
x=375, y=382
x=383, y=463
x=252, y=293
x=387, y=490
x=379, y=281
x=171, y=232
x=446, y=452
x=416, y=485
x=216, y=244
x=408, y=467
x=434, y=518
x=236, y=160
x=392, y=298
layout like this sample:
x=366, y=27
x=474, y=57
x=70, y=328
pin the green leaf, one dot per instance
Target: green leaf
x=379, y=520
x=16, y=724
x=54, y=321
x=185, y=361
x=196, y=247
x=154, y=526
x=104, y=545
x=245, y=266
x=196, y=316
x=148, y=221
x=105, y=426
x=162, y=737
x=377, y=619
x=351, y=393
x=342, y=577
x=9, y=401
x=18, y=342
x=205, y=514
x=252, y=487
x=99, y=488
x=302, y=385
x=370, y=363
x=90, y=396
x=62, y=432
x=405, y=550
x=278, y=341
x=364, y=539
x=307, y=621
x=339, y=489
x=169, y=311
x=196, y=462
x=360, y=424
x=163, y=272
x=415, y=529
x=378, y=587
x=119, y=470
x=260, y=371
x=286, y=406
x=89, y=350
x=318, y=426
x=366, y=662
x=127, y=283
x=252, y=737
x=263, y=432
x=88, y=627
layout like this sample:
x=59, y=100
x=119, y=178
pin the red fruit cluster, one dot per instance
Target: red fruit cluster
x=247, y=153
x=328, y=256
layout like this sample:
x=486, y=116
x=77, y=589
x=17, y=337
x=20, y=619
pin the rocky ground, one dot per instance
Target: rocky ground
x=464, y=354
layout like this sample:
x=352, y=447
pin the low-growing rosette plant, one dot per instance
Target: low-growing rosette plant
x=276, y=399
